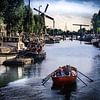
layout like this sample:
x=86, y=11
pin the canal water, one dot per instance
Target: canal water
x=24, y=82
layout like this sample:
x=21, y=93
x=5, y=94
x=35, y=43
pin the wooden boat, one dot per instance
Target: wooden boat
x=96, y=43
x=52, y=40
x=34, y=50
x=69, y=77
x=38, y=57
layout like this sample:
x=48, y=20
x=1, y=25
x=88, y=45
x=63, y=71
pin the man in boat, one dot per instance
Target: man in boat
x=73, y=73
x=60, y=72
x=39, y=48
x=67, y=70
x=64, y=71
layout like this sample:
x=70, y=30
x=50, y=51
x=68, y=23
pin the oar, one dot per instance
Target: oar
x=47, y=78
x=81, y=80
x=86, y=76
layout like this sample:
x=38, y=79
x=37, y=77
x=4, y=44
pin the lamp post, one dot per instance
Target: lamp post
x=39, y=8
x=29, y=18
x=39, y=31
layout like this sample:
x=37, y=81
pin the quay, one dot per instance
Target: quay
x=18, y=61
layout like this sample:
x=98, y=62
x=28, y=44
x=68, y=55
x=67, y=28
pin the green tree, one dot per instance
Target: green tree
x=32, y=23
x=28, y=23
x=19, y=17
x=3, y=6
x=13, y=15
x=96, y=22
x=38, y=24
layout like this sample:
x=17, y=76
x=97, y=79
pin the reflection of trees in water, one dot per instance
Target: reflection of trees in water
x=36, y=70
x=33, y=70
x=10, y=74
x=96, y=67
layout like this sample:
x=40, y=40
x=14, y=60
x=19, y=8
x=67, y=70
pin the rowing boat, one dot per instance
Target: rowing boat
x=67, y=76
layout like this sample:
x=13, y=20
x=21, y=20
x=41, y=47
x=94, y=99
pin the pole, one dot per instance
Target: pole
x=29, y=19
x=39, y=30
x=53, y=26
x=39, y=8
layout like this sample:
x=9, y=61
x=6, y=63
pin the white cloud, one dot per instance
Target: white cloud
x=70, y=12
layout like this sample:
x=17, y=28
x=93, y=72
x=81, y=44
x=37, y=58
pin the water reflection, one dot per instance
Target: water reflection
x=33, y=70
x=3, y=69
x=10, y=74
x=95, y=73
x=66, y=90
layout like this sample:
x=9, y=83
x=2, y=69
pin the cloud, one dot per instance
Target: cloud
x=63, y=7
x=67, y=10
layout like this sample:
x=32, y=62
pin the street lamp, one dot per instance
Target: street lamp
x=39, y=8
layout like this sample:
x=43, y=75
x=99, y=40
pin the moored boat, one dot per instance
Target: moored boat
x=38, y=57
x=34, y=50
x=67, y=76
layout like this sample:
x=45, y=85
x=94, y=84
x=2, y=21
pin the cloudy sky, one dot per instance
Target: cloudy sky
x=68, y=12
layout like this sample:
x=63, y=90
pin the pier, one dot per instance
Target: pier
x=18, y=62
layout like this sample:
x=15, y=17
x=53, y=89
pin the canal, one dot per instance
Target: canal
x=24, y=83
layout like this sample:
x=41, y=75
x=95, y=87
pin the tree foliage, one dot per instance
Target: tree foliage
x=54, y=32
x=19, y=17
x=13, y=15
x=28, y=19
x=96, y=22
x=3, y=6
x=39, y=23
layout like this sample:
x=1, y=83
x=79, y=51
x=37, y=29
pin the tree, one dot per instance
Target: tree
x=96, y=22
x=13, y=15
x=28, y=19
x=19, y=17
x=32, y=23
x=38, y=24
x=3, y=6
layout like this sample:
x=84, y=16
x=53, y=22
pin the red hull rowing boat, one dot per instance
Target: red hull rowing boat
x=60, y=81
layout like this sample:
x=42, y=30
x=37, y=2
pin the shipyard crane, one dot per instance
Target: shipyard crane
x=45, y=15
